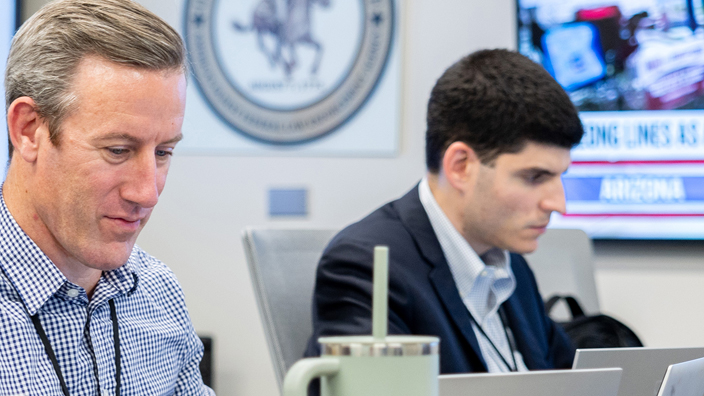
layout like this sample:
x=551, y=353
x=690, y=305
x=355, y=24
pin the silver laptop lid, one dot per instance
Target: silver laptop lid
x=643, y=368
x=594, y=382
x=684, y=379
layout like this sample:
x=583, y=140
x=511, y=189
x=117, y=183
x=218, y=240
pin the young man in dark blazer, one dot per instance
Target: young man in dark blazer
x=499, y=135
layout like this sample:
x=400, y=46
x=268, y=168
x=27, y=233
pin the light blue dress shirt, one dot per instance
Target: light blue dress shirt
x=484, y=284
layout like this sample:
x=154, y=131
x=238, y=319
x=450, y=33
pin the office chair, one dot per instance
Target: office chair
x=282, y=265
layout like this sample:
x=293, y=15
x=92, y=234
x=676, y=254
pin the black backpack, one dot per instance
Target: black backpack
x=597, y=331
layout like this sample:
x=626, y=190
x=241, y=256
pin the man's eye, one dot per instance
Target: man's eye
x=117, y=150
x=535, y=178
x=163, y=153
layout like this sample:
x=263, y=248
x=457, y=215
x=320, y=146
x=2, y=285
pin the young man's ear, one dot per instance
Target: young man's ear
x=25, y=128
x=459, y=165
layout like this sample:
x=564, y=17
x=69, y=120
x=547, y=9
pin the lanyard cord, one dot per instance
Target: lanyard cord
x=49, y=352
x=509, y=337
x=116, y=342
x=54, y=362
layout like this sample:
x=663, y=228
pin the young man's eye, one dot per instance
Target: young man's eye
x=535, y=178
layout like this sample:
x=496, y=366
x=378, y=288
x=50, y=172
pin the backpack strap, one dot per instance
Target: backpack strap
x=575, y=309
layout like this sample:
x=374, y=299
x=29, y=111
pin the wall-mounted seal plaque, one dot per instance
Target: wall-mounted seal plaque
x=288, y=71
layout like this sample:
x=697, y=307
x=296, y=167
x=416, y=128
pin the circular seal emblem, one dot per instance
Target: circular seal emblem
x=288, y=71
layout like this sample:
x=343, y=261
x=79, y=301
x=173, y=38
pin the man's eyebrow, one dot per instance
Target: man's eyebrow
x=133, y=139
x=117, y=136
x=176, y=139
x=537, y=170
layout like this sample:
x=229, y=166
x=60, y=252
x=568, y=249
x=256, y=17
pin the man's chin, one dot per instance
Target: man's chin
x=523, y=246
x=111, y=257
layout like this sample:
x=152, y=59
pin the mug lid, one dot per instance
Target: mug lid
x=408, y=345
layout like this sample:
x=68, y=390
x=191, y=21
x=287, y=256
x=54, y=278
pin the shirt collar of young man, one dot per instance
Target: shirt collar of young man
x=484, y=284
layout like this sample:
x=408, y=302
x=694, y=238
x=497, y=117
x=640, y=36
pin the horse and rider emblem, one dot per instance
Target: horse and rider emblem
x=288, y=22
x=288, y=71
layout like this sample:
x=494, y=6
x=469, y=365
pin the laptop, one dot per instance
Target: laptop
x=592, y=382
x=643, y=368
x=684, y=379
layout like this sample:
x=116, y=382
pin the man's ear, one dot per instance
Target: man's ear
x=459, y=165
x=25, y=127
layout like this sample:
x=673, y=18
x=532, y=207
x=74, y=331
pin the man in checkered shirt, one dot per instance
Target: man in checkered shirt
x=95, y=102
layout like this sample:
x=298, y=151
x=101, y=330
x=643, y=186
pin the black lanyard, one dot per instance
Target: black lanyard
x=50, y=352
x=509, y=337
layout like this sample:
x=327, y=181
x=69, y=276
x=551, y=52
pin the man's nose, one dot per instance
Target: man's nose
x=554, y=199
x=141, y=184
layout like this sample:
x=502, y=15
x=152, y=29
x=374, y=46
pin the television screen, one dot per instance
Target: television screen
x=8, y=23
x=635, y=71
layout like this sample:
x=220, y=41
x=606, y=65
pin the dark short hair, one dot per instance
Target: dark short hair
x=496, y=101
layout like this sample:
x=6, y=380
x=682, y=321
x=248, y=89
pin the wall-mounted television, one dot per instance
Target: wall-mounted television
x=635, y=70
x=9, y=19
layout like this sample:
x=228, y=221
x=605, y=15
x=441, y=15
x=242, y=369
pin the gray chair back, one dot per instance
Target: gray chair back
x=282, y=264
x=564, y=264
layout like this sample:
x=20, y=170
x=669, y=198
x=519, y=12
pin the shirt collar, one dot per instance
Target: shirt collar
x=482, y=288
x=35, y=277
x=124, y=279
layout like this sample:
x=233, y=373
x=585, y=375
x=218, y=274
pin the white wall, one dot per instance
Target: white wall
x=654, y=287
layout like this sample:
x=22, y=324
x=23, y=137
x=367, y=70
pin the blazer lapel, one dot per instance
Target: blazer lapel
x=415, y=219
x=524, y=328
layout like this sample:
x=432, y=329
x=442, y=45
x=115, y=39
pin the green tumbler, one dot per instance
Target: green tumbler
x=368, y=366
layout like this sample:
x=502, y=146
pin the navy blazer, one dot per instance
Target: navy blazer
x=423, y=297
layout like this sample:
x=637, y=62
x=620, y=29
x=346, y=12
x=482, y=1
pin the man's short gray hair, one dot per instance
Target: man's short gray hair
x=47, y=49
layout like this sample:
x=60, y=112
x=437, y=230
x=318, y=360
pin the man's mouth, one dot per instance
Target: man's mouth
x=540, y=227
x=127, y=223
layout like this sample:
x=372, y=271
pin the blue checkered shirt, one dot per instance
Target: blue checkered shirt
x=160, y=349
x=484, y=283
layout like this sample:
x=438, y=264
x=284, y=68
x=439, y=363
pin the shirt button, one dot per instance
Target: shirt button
x=484, y=273
x=72, y=292
x=106, y=393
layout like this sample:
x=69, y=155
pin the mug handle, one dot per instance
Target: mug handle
x=304, y=370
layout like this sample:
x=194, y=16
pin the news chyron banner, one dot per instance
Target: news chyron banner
x=638, y=174
x=635, y=71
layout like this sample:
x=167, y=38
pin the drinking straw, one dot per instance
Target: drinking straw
x=380, y=297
